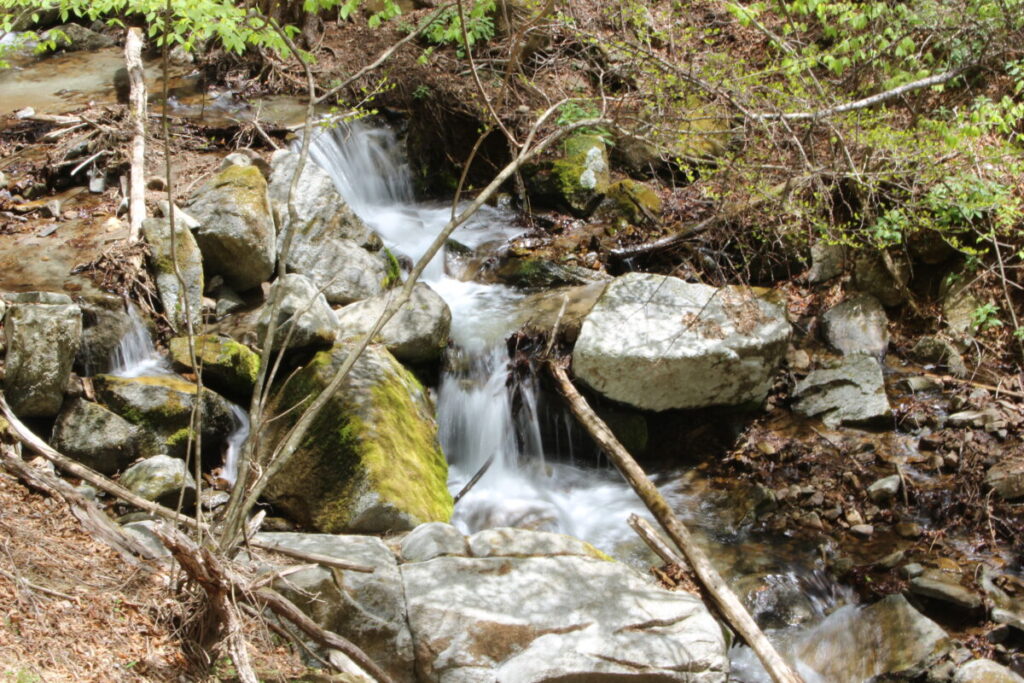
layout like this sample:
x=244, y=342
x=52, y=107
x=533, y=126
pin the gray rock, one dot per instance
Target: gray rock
x=985, y=671
x=77, y=38
x=418, y=333
x=345, y=271
x=576, y=181
x=431, y=540
x=180, y=215
x=1007, y=478
x=142, y=531
x=303, y=317
x=912, y=570
x=888, y=638
x=863, y=530
x=958, y=306
x=236, y=233
x=322, y=213
x=941, y=351
x=42, y=332
x=884, y=490
x=511, y=618
x=1006, y=609
x=104, y=324
x=658, y=343
x=176, y=301
x=827, y=261
x=857, y=325
x=939, y=586
x=161, y=479
x=872, y=277
x=163, y=406
x=853, y=392
x=99, y=438
x=508, y=542
x=368, y=608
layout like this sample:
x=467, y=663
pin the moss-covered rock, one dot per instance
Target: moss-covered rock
x=228, y=367
x=371, y=461
x=99, y=438
x=163, y=406
x=576, y=180
x=236, y=232
x=638, y=203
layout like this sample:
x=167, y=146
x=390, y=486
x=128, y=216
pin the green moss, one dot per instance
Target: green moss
x=180, y=438
x=636, y=202
x=228, y=366
x=394, y=274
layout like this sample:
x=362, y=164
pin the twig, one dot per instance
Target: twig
x=20, y=581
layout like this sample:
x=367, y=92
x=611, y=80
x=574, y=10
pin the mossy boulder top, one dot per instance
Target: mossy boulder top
x=576, y=180
x=236, y=232
x=163, y=405
x=371, y=461
x=228, y=366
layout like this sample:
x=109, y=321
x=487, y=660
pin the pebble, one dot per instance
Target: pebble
x=908, y=529
x=884, y=490
x=912, y=570
x=853, y=517
x=864, y=530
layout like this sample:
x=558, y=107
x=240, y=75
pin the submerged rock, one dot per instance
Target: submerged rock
x=162, y=479
x=371, y=461
x=227, y=366
x=510, y=613
x=176, y=300
x=368, y=608
x=418, y=332
x=236, y=233
x=99, y=438
x=42, y=331
x=658, y=343
x=163, y=405
x=857, y=325
x=303, y=317
x=851, y=392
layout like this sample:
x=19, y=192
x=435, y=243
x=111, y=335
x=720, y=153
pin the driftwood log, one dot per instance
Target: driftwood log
x=729, y=605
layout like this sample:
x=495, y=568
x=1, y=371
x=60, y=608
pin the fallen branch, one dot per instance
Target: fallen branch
x=709, y=577
x=664, y=243
x=137, y=113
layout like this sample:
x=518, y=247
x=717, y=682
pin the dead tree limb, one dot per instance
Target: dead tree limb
x=137, y=112
x=655, y=541
x=712, y=581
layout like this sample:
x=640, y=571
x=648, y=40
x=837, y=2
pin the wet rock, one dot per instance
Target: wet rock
x=575, y=181
x=322, y=213
x=431, y=540
x=888, y=638
x=176, y=301
x=1006, y=609
x=304, y=319
x=508, y=617
x=884, y=490
x=163, y=406
x=827, y=262
x=99, y=438
x=161, y=479
x=851, y=392
x=985, y=671
x=236, y=233
x=535, y=273
x=371, y=461
x=77, y=38
x=857, y=325
x=418, y=332
x=871, y=276
x=912, y=570
x=862, y=530
x=42, y=332
x=368, y=608
x=908, y=529
x=776, y=600
x=940, y=586
x=940, y=351
x=344, y=271
x=1007, y=478
x=564, y=308
x=227, y=366
x=104, y=323
x=657, y=343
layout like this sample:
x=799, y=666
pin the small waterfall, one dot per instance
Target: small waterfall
x=233, y=444
x=135, y=355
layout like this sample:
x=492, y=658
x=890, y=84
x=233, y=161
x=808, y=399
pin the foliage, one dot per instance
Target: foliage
x=573, y=111
x=447, y=29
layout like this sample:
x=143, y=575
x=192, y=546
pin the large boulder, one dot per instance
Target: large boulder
x=236, y=232
x=658, y=343
x=322, y=213
x=529, y=606
x=370, y=462
x=576, y=180
x=227, y=366
x=368, y=608
x=872, y=276
x=417, y=333
x=303, y=317
x=344, y=271
x=176, y=300
x=42, y=331
x=889, y=640
x=985, y=671
x=857, y=325
x=163, y=405
x=99, y=438
x=851, y=392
